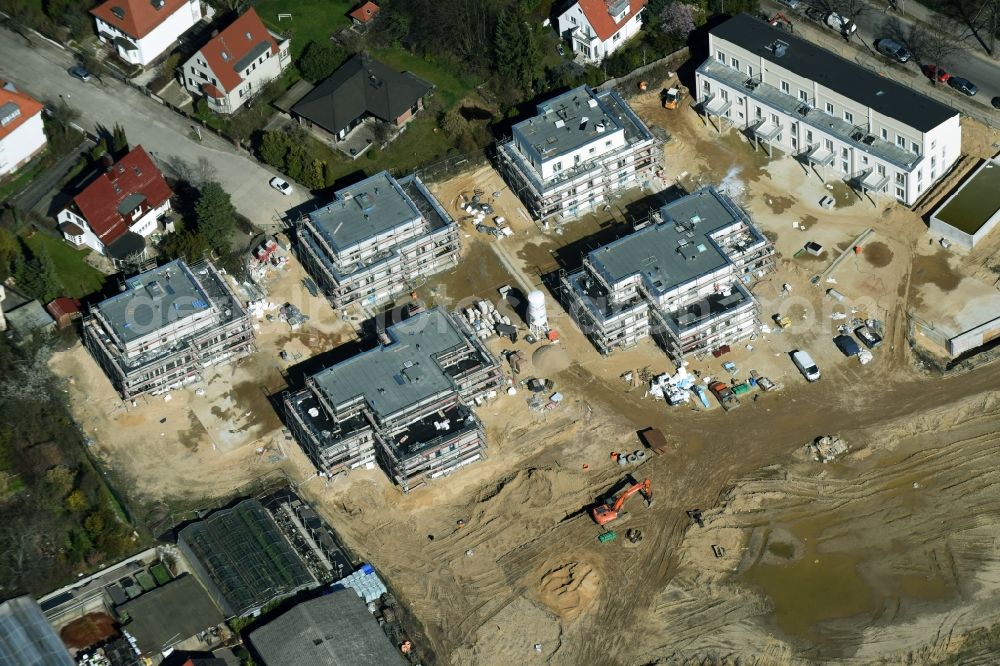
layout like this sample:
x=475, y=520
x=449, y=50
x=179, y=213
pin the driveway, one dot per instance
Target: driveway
x=40, y=71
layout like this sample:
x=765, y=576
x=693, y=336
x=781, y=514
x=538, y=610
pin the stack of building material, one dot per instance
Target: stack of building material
x=365, y=582
x=485, y=318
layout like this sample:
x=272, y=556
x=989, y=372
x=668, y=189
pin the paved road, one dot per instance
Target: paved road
x=41, y=72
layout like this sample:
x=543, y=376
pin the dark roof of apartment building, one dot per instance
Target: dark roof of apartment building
x=361, y=85
x=27, y=638
x=838, y=74
x=335, y=629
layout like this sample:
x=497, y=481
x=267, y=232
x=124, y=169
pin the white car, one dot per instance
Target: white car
x=803, y=361
x=281, y=185
x=841, y=24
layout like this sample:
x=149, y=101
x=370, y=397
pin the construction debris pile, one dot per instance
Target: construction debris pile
x=291, y=314
x=828, y=447
x=675, y=389
x=487, y=321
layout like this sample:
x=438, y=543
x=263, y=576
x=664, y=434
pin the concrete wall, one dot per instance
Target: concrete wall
x=974, y=337
x=22, y=144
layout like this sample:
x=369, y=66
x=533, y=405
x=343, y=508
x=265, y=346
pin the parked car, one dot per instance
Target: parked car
x=841, y=24
x=894, y=50
x=281, y=185
x=79, y=73
x=995, y=102
x=963, y=85
x=847, y=345
x=935, y=73
x=803, y=361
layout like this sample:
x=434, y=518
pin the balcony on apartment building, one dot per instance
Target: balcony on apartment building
x=857, y=136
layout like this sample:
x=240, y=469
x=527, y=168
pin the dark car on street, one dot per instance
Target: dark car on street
x=894, y=50
x=963, y=85
x=79, y=73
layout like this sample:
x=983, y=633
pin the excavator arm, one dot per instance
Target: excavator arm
x=605, y=512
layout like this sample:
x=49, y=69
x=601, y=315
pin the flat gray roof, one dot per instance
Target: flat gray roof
x=169, y=614
x=335, y=629
x=672, y=252
x=567, y=122
x=394, y=376
x=371, y=207
x=153, y=300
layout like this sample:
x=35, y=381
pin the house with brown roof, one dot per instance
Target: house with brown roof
x=364, y=14
x=22, y=134
x=236, y=64
x=140, y=30
x=120, y=209
x=598, y=28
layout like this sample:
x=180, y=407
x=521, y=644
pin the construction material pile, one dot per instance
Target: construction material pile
x=487, y=321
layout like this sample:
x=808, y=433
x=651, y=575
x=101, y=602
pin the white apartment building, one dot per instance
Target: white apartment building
x=598, y=28
x=22, y=132
x=236, y=64
x=843, y=119
x=582, y=148
x=378, y=238
x=683, y=279
x=140, y=30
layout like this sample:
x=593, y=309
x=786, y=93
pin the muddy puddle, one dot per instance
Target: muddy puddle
x=934, y=269
x=826, y=598
x=878, y=254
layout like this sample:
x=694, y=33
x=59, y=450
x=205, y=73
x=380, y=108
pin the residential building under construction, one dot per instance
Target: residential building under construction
x=406, y=404
x=682, y=278
x=581, y=148
x=166, y=326
x=377, y=239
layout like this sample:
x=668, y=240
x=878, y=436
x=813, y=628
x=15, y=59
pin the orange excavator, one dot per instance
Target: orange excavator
x=609, y=509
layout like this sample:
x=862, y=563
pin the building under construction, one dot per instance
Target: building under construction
x=377, y=239
x=406, y=404
x=166, y=326
x=683, y=278
x=581, y=148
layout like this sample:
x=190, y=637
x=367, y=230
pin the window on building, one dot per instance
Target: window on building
x=901, y=141
x=885, y=134
x=864, y=160
x=735, y=64
x=572, y=19
x=915, y=147
x=740, y=100
x=844, y=153
x=724, y=93
x=881, y=169
x=900, y=179
x=795, y=142
x=920, y=175
x=829, y=144
x=829, y=108
x=784, y=87
x=844, y=166
x=848, y=116
x=803, y=96
x=749, y=70
x=557, y=166
x=593, y=149
x=809, y=136
x=901, y=194
x=933, y=144
x=607, y=143
x=721, y=57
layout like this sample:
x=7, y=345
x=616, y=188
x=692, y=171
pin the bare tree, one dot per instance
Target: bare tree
x=926, y=45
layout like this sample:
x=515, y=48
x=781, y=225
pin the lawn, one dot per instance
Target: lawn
x=450, y=87
x=23, y=178
x=312, y=20
x=78, y=277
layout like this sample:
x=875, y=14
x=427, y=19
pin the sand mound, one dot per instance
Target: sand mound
x=550, y=359
x=569, y=590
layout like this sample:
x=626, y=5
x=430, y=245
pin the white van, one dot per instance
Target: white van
x=803, y=361
x=841, y=24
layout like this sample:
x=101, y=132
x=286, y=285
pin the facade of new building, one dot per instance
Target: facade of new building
x=377, y=239
x=682, y=279
x=236, y=64
x=406, y=404
x=579, y=150
x=22, y=133
x=166, y=326
x=141, y=30
x=120, y=208
x=783, y=91
x=598, y=28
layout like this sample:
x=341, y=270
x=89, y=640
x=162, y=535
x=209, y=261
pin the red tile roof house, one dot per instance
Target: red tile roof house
x=22, y=134
x=140, y=30
x=122, y=207
x=598, y=28
x=236, y=63
x=364, y=14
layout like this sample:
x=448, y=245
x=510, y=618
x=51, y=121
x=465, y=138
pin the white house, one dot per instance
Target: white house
x=122, y=207
x=140, y=30
x=598, y=28
x=22, y=134
x=843, y=119
x=235, y=64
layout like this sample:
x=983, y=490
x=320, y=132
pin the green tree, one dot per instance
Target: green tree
x=99, y=149
x=10, y=250
x=59, y=481
x=215, y=215
x=517, y=47
x=119, y=142
x=76, y=501
x=320, y=60
x=296, y=162
x=454, y=124
x=36, y=275
x=188, y=245
x=315, y=176
x=328, y=175
x=94, y=523
x=273, y=148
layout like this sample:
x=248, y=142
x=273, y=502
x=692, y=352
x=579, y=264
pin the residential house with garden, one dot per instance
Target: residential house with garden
x=236, y=64
x=22, y=132
x=167, y=326
x=377, y=239
x=579, y=150
x=598, y=28
x=842, y=119
x=361, y=89
x=140, y=31
x=128, y=202
x=363, y=15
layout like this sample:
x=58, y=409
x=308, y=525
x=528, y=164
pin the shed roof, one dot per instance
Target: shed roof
x=840, y=75
x=361, y=85
x=335, y=629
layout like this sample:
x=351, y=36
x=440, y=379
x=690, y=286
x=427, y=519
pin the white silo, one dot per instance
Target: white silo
x=537, y=320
